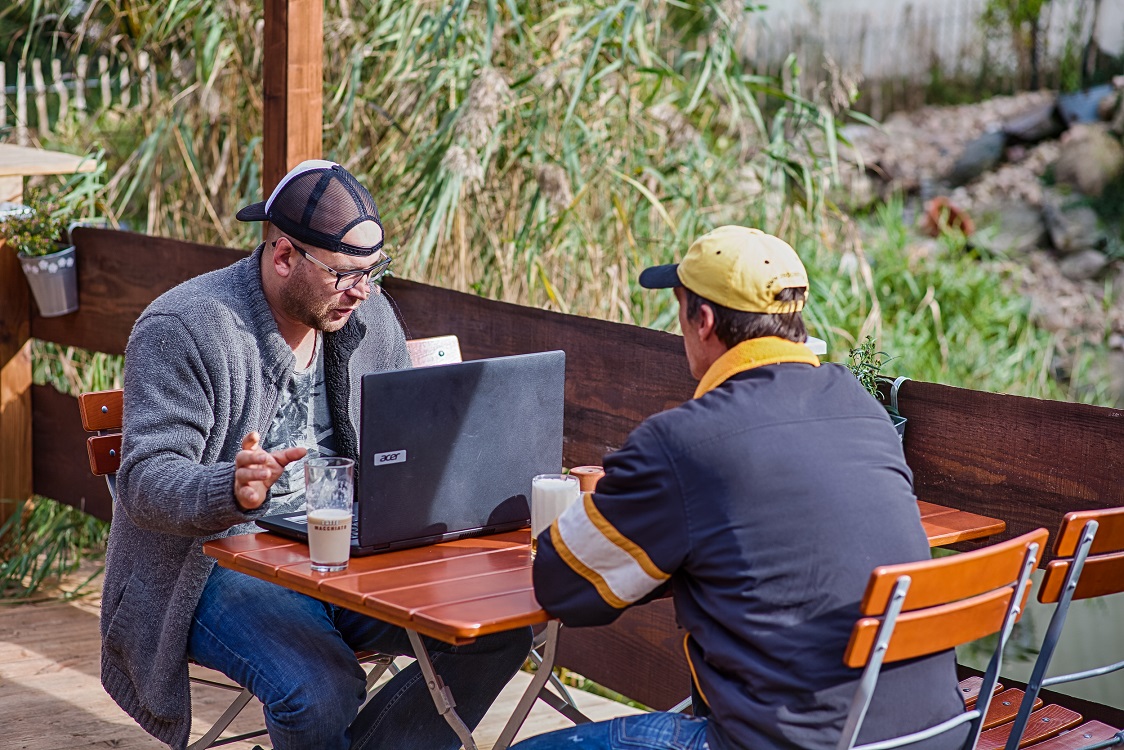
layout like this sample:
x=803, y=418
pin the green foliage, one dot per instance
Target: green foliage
x=37, y=231
x=865, y=363
x=44, y=541
x=946, y=314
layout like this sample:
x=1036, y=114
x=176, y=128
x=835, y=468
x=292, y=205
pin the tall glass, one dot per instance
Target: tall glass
x=328, y=491
x=550, y=495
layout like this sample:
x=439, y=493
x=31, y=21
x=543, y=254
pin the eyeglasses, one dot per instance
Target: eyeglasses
x=348, y=279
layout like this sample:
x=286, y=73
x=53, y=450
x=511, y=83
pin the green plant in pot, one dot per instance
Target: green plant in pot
x=865, y=361
x=36, y=231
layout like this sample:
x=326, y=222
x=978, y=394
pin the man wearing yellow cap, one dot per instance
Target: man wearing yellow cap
x=762, y=504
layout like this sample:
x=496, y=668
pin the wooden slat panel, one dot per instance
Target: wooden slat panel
x=640, y=655
x=100, y=410
x=931, y=630
x=970, y=690
x=105, y=454
x=1101, y=576
x=119, y=274
x=1044, y=723
x=1004, y=707
x=1089, y=733
x=1110, y=532
x=1024, y=460
x=948, y=579
x=59, y=471
x=437, y=350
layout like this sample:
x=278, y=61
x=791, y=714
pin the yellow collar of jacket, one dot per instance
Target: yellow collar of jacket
x=747, y=355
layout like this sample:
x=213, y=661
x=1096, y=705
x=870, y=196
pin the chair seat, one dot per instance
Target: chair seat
x=1089, y=733
x=970, y=690
x=1044, y=723
x=1005, y=707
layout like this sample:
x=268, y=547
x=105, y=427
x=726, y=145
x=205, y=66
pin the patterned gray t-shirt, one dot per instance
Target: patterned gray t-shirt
x=302, y=420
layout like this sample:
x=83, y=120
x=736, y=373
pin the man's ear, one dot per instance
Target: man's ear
x=704, y=322
x=283, y=256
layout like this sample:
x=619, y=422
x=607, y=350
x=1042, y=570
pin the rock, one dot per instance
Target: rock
x=1117, y=124
x=1106, y=108
x=1083, y=265
x=1072, y=228
x=1081, y=106
x=979, y=156
x=1012, y=229
x=1090, y=159
x=1038, y=124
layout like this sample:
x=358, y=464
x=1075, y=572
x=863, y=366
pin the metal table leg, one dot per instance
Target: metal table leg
x=442, y=696
x=542, y=674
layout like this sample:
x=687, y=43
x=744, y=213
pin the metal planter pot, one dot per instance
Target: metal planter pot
x=53, y=280
x=899, y=425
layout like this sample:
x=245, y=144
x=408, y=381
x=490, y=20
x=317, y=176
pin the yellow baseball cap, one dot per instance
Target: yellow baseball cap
x=736, y=267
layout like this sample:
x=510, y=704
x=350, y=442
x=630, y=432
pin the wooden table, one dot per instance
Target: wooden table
x=459, y=591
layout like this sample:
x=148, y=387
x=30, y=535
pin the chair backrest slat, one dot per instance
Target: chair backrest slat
x=105, y=454
x=949, y=579
x=932, y=630
x=436, y=350
x=100, y=410
x=1110, y=532
x=1101, y=576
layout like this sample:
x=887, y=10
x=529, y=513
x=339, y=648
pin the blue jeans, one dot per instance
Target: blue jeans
x=656, y=731
x=296, y=654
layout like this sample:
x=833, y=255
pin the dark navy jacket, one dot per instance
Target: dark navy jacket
x=764, y=504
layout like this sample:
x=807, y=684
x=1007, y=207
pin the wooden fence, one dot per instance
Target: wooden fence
x=1024, y=460
x=54, y=99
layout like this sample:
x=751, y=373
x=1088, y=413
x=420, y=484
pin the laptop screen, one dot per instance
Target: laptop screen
x=450, y=450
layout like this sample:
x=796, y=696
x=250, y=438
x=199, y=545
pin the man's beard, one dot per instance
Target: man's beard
x=300, y=302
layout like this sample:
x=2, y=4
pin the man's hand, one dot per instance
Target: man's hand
x=255, y=470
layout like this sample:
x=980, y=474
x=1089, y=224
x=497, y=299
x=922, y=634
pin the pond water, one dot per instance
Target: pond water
x=1092, y=637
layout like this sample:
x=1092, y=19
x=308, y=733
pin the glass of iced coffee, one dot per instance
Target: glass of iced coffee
x=329, y=488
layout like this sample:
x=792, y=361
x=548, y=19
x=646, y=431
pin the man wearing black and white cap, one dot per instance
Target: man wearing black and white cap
x=230, y=379
x=762, y=504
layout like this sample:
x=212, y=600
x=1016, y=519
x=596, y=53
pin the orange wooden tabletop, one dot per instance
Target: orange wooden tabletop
x=459, y=591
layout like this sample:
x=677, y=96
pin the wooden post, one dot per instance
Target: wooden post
x=44, y=123
x=15, y=328
x=103, y=77
x=80, y=86
x=293, y=83
x=59, y=85
x=21, y=104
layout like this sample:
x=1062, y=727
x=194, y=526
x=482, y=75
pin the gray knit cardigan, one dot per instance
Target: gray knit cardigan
x=204, y=366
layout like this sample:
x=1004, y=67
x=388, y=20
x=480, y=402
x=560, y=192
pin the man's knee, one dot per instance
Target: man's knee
x=322, y=704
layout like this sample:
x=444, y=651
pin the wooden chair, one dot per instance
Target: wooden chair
x=1089, y=562
x=922, y=608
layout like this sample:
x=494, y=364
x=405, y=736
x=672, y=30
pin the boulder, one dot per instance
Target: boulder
x=1072, y=227
x=1035, y=125
x=1084, y=265
x=979, y=156
x=1012, y=230
x=1081, y=106
x=1090, y=158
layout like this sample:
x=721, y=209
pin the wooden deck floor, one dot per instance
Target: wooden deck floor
x=51, y=697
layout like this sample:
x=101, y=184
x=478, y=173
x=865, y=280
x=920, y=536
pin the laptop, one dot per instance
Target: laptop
x=448, y=452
